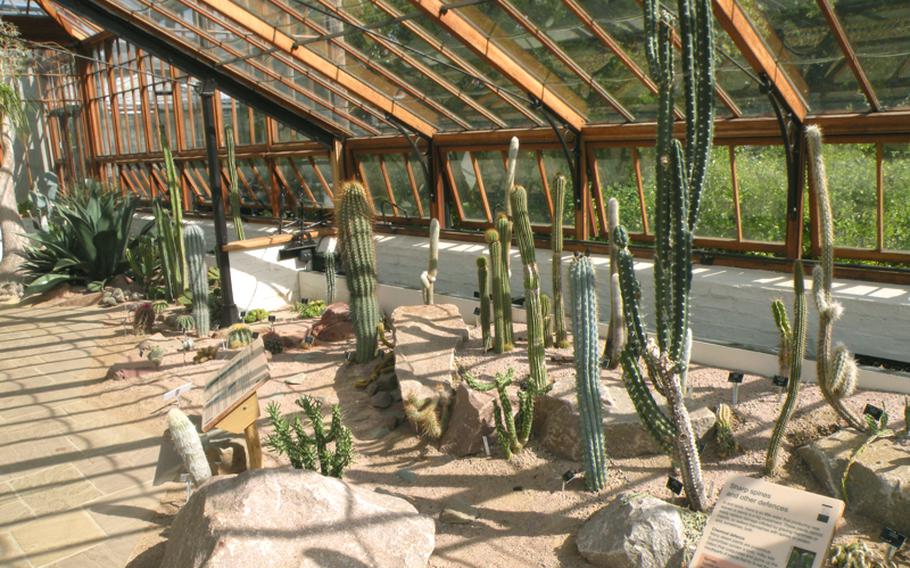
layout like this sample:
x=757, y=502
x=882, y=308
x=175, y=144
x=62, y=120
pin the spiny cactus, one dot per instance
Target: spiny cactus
x=430, y=415
x=428, y=276
x=511, y=164
x=306, y=451
x=256, y=315
x=533, y=309
x=156, y=355
x=616, y=331
x=143, y=318
x=512, y=430
x=188, y=446
x=585, y=318
x=876, y=428
x=354, y=221
x=484, y=291
x=723, y=432
x=159, y=306
x=272, y=342
x=680, y=181
x=559, y=316
x=185, y=323
x=197, y=276
x=546, y=310
x=791, y=354
x=496, y=275
x=235, y=185
x=167, y=251
x=330, y=277
x=857, y=555
x=175, y=195
x=239, y=335
x=504, y=226
x=835, y=367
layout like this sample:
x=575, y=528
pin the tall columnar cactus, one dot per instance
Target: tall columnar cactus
x=791, y=354
x=330, y=277
x=167, y=251
x=533, y=309
x=197, y=274
x=484, y=287
x=511, y=164
x=585, y=319
x=546, y=310
x=616, y=331
x=235, y=185
x=358, y=251
x=512, y=430
x=428, y=277
x=188, y=446
x=500, y=344
x=559, y=316
x=835, y=366
x=173, y=186
x=504, y=226
x=680, y=181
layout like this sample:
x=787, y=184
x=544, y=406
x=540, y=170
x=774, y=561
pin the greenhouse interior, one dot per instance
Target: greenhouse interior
x=455, y=283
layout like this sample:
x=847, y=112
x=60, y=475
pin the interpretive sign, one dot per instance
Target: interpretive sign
x=757, y=524
x=234, y=383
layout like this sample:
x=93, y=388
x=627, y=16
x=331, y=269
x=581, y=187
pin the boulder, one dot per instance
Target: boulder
x=556, y=423
x=335, y=323
x=471, y=418
x=288, y=517
x=879, y=482
x=634, y=531
x=293, y=334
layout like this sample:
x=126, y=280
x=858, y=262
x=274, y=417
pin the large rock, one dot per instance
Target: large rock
x=425, y=341
x=634, y=531
x=470, y=419
x=335, y=323
x=295, y=518
x=879, y=482
x=556, y=423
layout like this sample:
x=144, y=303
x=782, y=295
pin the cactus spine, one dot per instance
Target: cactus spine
x=533, y=309
x=189, y=446
x=330, y=277
x=428, y=277
x=512, y=430
x=496, y=272
x=559, y=316
x=616, y=332
x=483, y=286
x=835, y=366
x=173, y=186
x=546, y=309
x=723, y=432
x=358, y=251
x=680, y=181
x=235, y=185
x=504, y=226
x=198, y=278
x=587, y=371
x=792, y=352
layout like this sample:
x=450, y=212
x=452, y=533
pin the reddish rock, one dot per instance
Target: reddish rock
x=335, y=323
x=471, y=419
x=294, y=334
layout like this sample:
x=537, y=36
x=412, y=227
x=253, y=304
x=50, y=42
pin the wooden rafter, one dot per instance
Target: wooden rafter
x=461, y=28
x=841, y=36
x=737, y=25
x=320, y=64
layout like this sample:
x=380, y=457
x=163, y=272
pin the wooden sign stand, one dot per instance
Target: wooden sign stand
x=242, y=420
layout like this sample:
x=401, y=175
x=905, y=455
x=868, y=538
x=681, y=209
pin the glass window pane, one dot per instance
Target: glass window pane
x=554, y=162
x=761, y=172
x=369, y=165
x=717, y=217
x=851, y=183
x=616, y=169
x=466, y=185
x=896, y=170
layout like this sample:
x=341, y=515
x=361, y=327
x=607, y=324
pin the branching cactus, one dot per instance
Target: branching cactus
x=428, y=277
x=355, y=231
x=484, y=287
x=791, y=354
x=559, y=317
x=188, y=446
x=235, y=185
x=680, y=181
x=835, y=366
x=512, y=430
x=197, y=274
x=616, y=331
x=585, y=319
x=504, y=226
x=175, y=194
x=533, y=308
x=330, y=277
x=496, y=275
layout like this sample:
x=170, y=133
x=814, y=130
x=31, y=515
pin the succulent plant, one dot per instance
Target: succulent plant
x=185, y=323
x=143, y=318
x=256, y=315
x=239, y=335
x=205, y=354
x=309, y=451
x=484, y=291
x=189, y=446
x=272, y=343
x=723, y=432
x=556, y=239
x=512, y=430
x=197, y=277
x=428, y=277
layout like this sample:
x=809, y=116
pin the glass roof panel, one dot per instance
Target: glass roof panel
x=879, y=32
x=797, y=34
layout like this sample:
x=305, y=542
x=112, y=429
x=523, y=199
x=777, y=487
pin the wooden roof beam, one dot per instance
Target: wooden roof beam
x=318, y=63
x=461, y=28
x=737, y=25
x=841, y=36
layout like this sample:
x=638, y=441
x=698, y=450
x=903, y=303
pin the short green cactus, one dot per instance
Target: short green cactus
x=856, y=555
x=143, y=318
x=256, y=315
x=198, y=278
x=428, y=277
x=556, y=240
x=159, y=306
x=239, y=335
x=512, y=430
x=272, y=342
x=484, y=291
x=496, y=275
x=723, y=432
x=185, y=323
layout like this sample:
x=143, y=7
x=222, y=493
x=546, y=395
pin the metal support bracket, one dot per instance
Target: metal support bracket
x=571, y=153
x=424, y=159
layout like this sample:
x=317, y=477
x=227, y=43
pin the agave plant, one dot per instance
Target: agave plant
x=85, y=241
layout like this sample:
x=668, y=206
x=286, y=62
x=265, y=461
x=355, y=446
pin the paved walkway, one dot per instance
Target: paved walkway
x=75, y=481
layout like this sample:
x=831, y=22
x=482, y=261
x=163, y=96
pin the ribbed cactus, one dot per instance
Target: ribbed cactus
x=167, y=250
x=428, y=277
x=680, y=181
x=504, y=226
x=533, y=308
x=585, y=318
x=358, y=251
x=546, y=310
x=512, y=430
x=239, y=335
x=144, y=318
x=175, y=194
x=235, y=185
x=496, y=275
x=791, y=354
x=835, y=367
x=559, y=316
x=511, y=164
x=616, y=331
x=484, y=288
x=727, y=446
x=189, y=446
x=330, y=277
x=197, y=274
